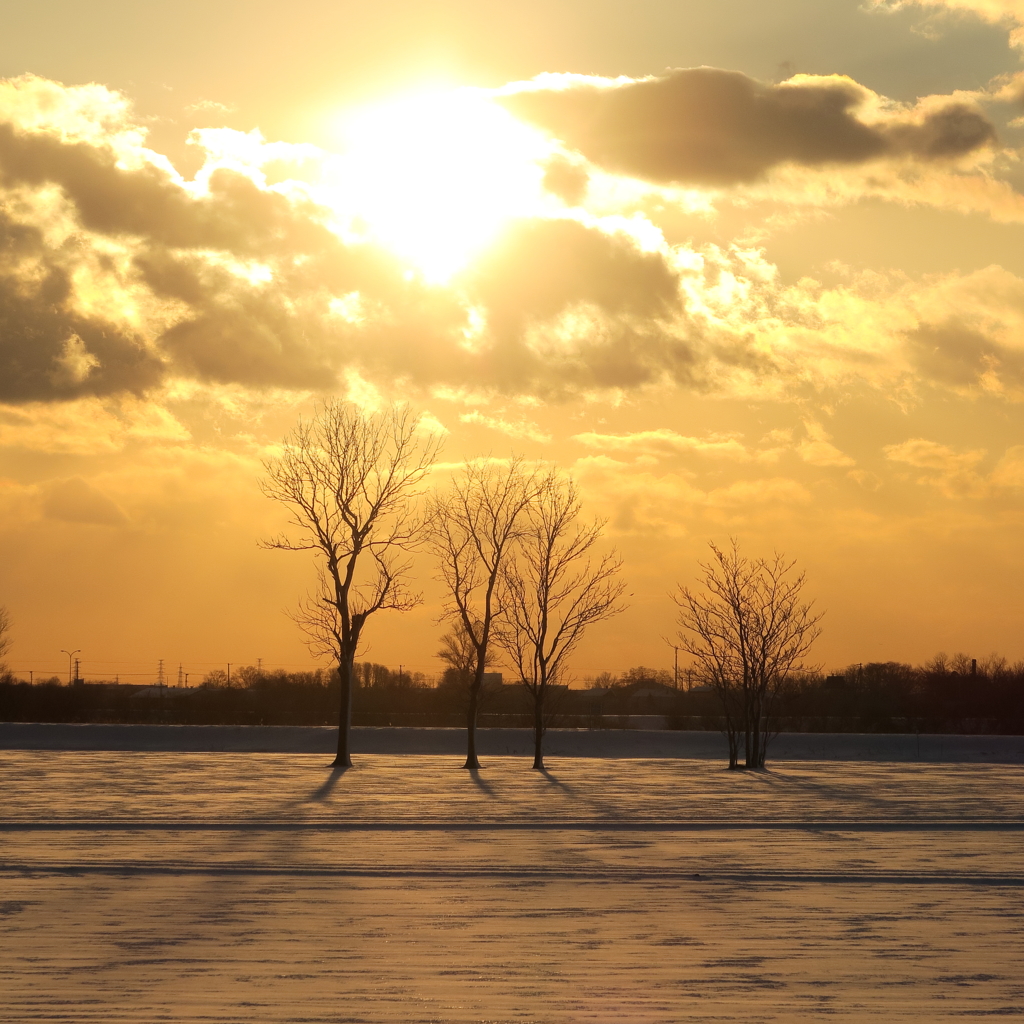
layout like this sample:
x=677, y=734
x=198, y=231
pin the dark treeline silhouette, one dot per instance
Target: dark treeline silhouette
x=952, y=695
x=946, y=695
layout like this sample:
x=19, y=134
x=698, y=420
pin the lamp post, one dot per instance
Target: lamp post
x=70, y=655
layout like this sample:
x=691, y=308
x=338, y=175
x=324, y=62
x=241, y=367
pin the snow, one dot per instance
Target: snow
x=250, y=887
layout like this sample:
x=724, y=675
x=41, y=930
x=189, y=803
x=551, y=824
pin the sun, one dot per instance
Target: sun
x=434, y=176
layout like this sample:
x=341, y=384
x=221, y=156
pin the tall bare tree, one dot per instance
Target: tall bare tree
x=474, y=527
x=553, y=591
x=748, y=630
x=349, y=480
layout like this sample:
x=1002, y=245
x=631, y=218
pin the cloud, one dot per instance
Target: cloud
x=566, y=179
x=117, y=277
x=815, y=449
x=210, y=107
x=639, y=500
x=49, y=348
x=1010, y=12
x=958, y=474
x=959, y=355
x=818, y=450
x=706, y=126
x=1009, y=471
x=666, y=442
x=76, y=501
x=953, y=473
x=542, y=266
x=518, y=429
x=88, y=426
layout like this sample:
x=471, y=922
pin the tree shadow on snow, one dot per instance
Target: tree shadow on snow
x=487, y=790
x=546, y=772
x=323, y=791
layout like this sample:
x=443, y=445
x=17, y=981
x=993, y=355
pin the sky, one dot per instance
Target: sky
x=743, y=270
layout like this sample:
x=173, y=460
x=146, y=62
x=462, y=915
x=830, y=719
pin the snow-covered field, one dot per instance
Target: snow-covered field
x=244, y=887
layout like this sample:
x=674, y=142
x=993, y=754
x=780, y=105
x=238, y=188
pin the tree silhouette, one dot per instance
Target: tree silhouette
x=474, y=527
x=348, y=480
x=553, y=591
x=747, y=631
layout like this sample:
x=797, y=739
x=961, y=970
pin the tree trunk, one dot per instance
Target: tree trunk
x=472, y=762
x=734, y=746
x=753, y=737
x=538, y=730
x=747, y=744
x=344, y=757
x=756, y=733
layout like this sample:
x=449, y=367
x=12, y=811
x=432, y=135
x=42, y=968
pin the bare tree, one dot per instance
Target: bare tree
x=460, y=656
x=554, y=590
x=474, y=527
x=459, y=653
x=748, y=631
x=348, y=480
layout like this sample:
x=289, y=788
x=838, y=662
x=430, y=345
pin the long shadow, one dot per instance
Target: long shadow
x=824, y=790
x=546, y=772
x=323, y=791
x=487, y=790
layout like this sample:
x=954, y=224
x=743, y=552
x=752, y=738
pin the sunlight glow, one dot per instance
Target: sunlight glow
x=434, y=176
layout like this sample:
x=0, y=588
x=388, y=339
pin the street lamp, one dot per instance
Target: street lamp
x=70, y=655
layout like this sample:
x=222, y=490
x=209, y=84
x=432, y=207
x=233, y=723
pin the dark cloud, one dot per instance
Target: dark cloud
x=541, y=266
x=47, y=350
x=233, y=330
x=236, y=216
x=543, y=269
x=283, y=333
x=566, y=180
x=712, y=127
x=956, y=354
x=950, y=131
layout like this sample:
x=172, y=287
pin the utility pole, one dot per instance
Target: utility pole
x=70, y=655
x=675, y=662
x=229, y=673
x=259, y=668
x=78, y=675
x=160, y=681
x=179, y=674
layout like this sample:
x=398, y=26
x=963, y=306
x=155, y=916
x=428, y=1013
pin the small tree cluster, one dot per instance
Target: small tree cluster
x=522, y=575
x=748, y=631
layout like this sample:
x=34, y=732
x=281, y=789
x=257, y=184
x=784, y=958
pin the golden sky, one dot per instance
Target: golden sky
x=743, y=269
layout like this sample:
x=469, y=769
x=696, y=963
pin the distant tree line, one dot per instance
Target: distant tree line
x=945, y=695
x=954, y=695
